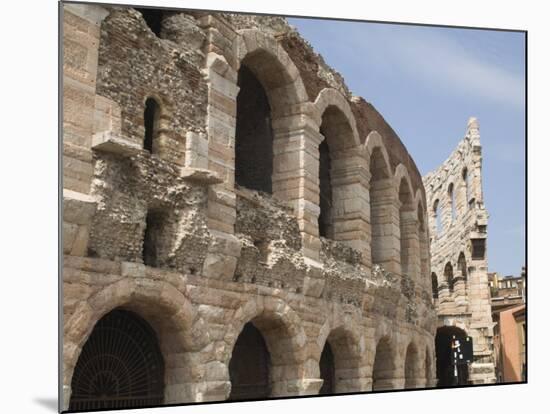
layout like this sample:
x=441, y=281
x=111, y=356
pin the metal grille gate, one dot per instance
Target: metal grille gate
x=249, y=366
x=120, y=365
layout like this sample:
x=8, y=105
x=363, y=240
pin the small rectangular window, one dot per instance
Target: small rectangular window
x=155, y=224
x=478, y=249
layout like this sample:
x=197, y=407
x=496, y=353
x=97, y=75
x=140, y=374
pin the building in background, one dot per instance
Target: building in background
x=509, y=315
x=458, y=237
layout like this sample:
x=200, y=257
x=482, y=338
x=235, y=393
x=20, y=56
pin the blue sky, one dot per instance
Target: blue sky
x=427, y=82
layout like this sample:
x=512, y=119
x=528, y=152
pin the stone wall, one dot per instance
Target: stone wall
x=463, y=299
x=228, y=255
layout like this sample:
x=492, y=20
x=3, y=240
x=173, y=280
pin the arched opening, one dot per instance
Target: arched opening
x=452, y=204
x=325, y=192
x=383, y=370
x=449, y=276
x=340, y=362
x=380, y=213
x=326, y=367
x=437, y=217
x=411, y=367
x=423, y=245
x=153, y=238
x=253, y=134
x=466, y=185
x=435, y=286
x=407, y=229
x=444, y=362
x=462, y=267
x=153, y=18
x=151, y=121
x=249, y=367
x=337, y=135
x=120, y=365
x=280, y=351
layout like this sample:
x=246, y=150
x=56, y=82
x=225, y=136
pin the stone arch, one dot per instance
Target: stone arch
x=421, y=211
x=423, y=239
x=444, y=366
x=273, y=89
x=412, y=369
x=436, y=218
x=120, y=366
x=157, y=125
x=339, y=138
x=384, y=375
x=466, y=188
x=408, y=233
x=462, y=267
x=284, y=337
x=435, y=286
x=381, y=200
x=449, y=276
x=171, y=315
x=451, y=196
x=331, y=98
x=346, y=343
x=270, y=63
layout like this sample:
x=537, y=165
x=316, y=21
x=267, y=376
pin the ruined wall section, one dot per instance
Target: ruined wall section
x=226, y=255
x=317, y=75
x=458, y=248
x=135, y=64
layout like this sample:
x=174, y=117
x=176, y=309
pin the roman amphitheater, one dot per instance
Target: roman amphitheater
x=236, y=225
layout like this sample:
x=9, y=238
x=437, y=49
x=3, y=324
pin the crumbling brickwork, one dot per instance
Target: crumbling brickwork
x=166, y=232
x=458, y=231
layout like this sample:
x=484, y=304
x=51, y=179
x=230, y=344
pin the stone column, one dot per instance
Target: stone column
x=295, y=387
x=350, y=214
x=410, y=242
x=445, y=299
x=460, y=295
x=384, y=213
x=81, y=33
x=482, y=371
x=296, y=174
x=219, y=146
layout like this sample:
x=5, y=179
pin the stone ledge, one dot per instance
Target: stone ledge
x=78, y=208
x=200, y=175
x=110, y=142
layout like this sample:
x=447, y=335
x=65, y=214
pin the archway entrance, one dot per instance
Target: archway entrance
x=253, y=134
x=326, y=366
x=444, y=364
x=120, y=365
x=249, y=368
x=380, y=193
x=411, y=367
x=337, y=137
x=383, y=370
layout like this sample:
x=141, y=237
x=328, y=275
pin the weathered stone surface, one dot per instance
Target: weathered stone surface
x=111, y=143
x=200, y=176
x=458, y=219
x=166, y=233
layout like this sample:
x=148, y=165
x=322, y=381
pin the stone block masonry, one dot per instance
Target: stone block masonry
x=458, y=228
x=213, y=241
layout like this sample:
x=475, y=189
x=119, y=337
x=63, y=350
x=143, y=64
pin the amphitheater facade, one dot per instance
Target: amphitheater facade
x=235, y=223
x=458, y=223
